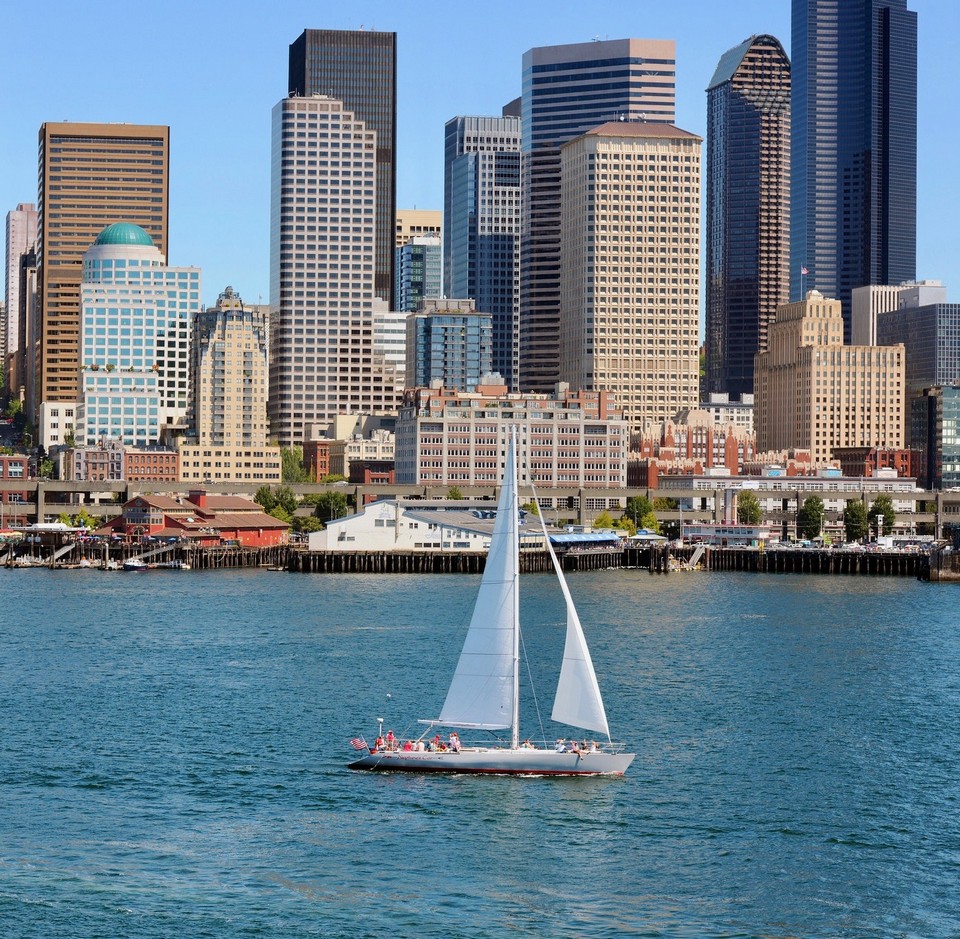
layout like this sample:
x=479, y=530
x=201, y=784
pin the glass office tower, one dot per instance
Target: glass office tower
x=748, y=207
x=854, y=146
x=359, y=69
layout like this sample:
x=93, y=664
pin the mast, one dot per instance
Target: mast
x=515, y=549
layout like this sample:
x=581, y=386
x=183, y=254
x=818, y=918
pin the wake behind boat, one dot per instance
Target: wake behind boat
x=484, y=694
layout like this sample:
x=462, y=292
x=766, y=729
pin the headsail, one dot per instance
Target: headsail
x=483, y=690
x=578, y=700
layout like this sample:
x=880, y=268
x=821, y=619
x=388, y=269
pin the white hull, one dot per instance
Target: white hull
x=481, y=760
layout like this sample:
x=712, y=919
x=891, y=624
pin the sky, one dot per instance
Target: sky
x=213, y=71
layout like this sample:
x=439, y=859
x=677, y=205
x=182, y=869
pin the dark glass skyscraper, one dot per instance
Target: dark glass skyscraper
x=359, y=68
x=854, y=149
x=748, y=207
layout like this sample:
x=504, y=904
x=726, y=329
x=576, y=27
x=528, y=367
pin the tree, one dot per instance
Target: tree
x=603, y=520
x=637, y=507
x=855, y=520
x=748, y=508
x=531, y=508
x=292, y=465
x=650, y=523
x=278, y=511
x=286, y=497
x=330, y=505
x=454, y=493
x=307, y=523
x=332, y=478
x=882, y=508
x=665, y=504
x=625, y=524
x=810, y=517
x=265, y=498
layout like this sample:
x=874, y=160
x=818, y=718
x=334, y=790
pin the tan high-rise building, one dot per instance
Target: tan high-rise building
x=630, y=267
x=90, y=176
x=414, y=222
x=814, y=393
x=229, y=411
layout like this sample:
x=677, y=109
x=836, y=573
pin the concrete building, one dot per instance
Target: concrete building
x=413, y=222
x=91, y=176
x=723, y=411
x=419, y=267
x=229, y=378
x=568, y=90
x=748, y=207
x=931, y=337
x=22, y=363
x=481, y=242
x=322, y=266
x=567, y=440
x=449, y=342
x=359, y=69
x=867, y=303
x=21, y=237
x=815, y=393
x=137, y=314
x=853, y=213
x=630, y=267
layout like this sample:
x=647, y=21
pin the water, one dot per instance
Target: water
x=172, y=750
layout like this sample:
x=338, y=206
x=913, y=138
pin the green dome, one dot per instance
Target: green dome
x=124, y=233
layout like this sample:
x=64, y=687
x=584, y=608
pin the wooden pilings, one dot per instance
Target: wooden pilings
x=809, y=561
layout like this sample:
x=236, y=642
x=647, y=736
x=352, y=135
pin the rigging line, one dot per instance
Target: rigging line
x=533, y=688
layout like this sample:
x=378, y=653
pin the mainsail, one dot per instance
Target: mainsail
x=483, y=691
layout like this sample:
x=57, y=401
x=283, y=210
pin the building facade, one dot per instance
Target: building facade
x=867, y=303
x=854, y=147
x=748, y=207
x=814, y=393
x=229, y=377
x=568, y=90
x=21, y=236
x=136, y=319
x=413, y=222
x=449, y=342
x=481, y=242
x=359, y=69
x=568, y=440
x=322, y=269
x=419, y=266
x=630, y=260
x=90, y=176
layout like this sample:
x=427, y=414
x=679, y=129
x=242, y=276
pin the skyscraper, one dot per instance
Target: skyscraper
x=748, y=207
x=359, y=69
x=21, y=235
x=481, y=218
x=90, y=176
x=854, y=146
x=630, y=261
x=567, y=90
x=322, y=217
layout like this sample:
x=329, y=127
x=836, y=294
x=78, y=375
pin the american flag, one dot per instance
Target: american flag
x=803, y=270
x=358, y=743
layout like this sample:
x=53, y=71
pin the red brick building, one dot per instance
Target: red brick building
x=201, y=518
x=13, y=467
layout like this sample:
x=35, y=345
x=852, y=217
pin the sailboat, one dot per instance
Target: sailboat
x=484, y=693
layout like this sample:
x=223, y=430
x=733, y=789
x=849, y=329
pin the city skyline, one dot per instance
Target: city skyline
x=219, y=208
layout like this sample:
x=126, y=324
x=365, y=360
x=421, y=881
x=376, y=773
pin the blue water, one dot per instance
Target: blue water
x=172, y=750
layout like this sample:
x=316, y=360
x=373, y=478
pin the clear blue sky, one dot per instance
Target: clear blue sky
x=213, y=72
